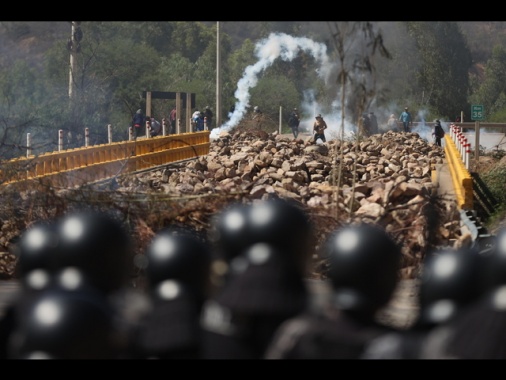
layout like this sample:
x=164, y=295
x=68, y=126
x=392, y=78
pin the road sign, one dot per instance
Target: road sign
x=477, y=112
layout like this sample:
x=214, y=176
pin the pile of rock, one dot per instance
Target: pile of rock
x=385, y=179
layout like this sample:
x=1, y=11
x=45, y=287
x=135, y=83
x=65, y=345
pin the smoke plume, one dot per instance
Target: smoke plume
x=277, y=45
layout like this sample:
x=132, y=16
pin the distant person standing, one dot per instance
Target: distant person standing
x=195, y=117
x=231, y=111
x=438, y=133
x=366, y=124
x=257, y=113
x=405, y=118
x=373, y=123
x=199, y=122
x=319, y=128
x=392, y=123
x=294, y=121
x=156, y=127
x=258, y=117
x=208, y=114
x=138, y=123
x=172, y=120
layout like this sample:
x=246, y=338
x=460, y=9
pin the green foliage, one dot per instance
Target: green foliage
x=386, y=68
x=356, y=45
x=174, y=72
x=500, y=115
x=491, y=91
x=272, y=93
x=445, y=65
x=495, y=182
x=191, y=39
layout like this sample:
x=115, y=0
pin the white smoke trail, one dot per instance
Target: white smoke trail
x=277, y=45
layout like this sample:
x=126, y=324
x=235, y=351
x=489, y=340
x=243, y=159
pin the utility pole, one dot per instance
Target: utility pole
x=218, y=79
x=74, y=47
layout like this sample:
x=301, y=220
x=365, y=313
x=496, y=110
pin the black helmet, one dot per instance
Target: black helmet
x=262, y=281
x=283, y=224
x=278, y=222
x=97, y=244
x=36, y=249
x=450, y=280
x=364, y=263
x=229, y=231
x=180, y=256
x=65, y=325
x=495, y=266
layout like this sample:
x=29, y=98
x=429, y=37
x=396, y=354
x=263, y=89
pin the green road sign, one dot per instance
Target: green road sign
x=477, y=112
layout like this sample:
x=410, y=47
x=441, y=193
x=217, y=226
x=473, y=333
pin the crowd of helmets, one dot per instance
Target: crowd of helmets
x=239, y=292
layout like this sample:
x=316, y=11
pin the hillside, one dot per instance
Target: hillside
x=28, y=40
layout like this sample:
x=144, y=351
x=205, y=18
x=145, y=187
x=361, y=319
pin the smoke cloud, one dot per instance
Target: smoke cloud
x=275, y=46
x=286, y=47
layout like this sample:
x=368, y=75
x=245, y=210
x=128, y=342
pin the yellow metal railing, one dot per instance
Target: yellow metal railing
x=74, y=167
x=461, y=178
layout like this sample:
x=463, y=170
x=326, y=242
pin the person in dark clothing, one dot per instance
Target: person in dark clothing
x=178, y=264
x=156, y=127
x=319, y=128
x=199, y=122
x=208, y=114
x=83, y=324
x=477, y=332
x=438, y=133
x=373, y=123
x=366, y=124
x=264, y=246
x=138, y=123
x=294, y=121
x=172, y=119
x=35, y=263
x=82, y=263
x=364, y=263
x=451, y=280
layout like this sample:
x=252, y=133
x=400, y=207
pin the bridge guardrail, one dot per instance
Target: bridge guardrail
x=461, y=178
x=74, y=167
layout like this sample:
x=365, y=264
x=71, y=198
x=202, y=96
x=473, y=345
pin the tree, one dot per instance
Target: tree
x=112, y=72
x=445, y=64
x=191, y=39
x=355, y=44
x=492, y=91
x=24, y=99
x=273, y=92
